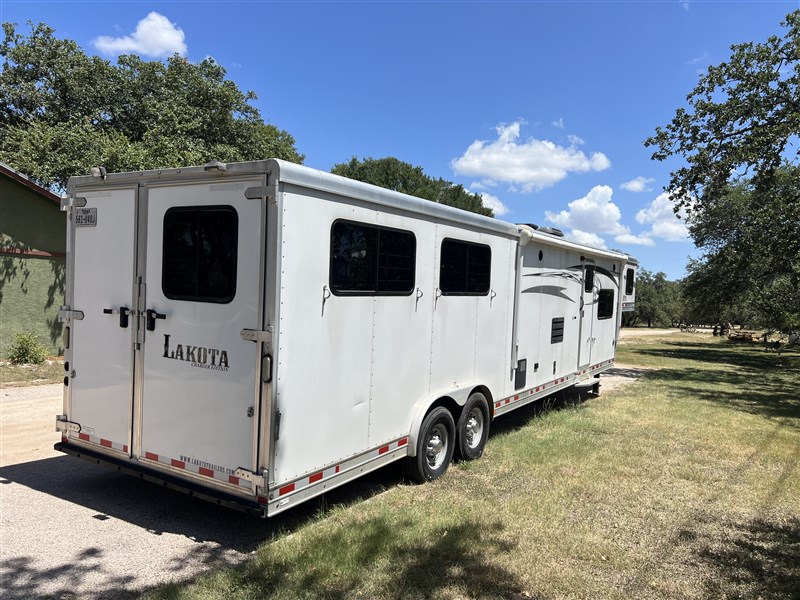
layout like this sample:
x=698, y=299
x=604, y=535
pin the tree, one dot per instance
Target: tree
x=400, y=176
x=740, y=183
x=658, y=301
x=62, y=111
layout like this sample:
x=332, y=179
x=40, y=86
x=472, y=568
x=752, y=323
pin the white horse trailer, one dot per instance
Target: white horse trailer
x=259, y=333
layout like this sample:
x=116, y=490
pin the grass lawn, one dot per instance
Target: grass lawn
x=684, y=484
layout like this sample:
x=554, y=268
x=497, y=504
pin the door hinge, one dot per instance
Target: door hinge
x=267, y=192
x=70, y=202
x=255, y=335
x=66, y=314
x=277, y=425
x=261, y=480
x=65, y=425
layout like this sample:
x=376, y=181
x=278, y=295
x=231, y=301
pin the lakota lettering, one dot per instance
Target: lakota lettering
x=198, y=356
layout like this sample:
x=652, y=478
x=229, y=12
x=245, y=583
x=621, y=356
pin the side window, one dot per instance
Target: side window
x=369, y=260
x=465, y=269
x=200, y=253
x=629, y=282
x=605, y=304
x=588, y=279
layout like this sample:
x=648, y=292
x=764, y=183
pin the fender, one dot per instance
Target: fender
x=458, y=394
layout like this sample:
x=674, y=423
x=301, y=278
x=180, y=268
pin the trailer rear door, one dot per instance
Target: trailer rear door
x=101, y=361
x=198, y=392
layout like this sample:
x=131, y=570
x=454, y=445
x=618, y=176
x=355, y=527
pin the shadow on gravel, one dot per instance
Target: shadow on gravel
x=112, y=495
x=159, y=511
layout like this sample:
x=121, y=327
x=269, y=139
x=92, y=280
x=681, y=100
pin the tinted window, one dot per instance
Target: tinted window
x=605, y=304
x=371, y=260
x=588, y=279
x=466, y=269
x=629, y=282
x=199, y=253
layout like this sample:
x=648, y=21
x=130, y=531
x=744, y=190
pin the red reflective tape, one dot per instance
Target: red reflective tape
x=150, y=456
x=337, y=468
x=286, y=489
x=178, y=463
x=105, y=443
x=497, y=404
x=402, y=442
x=383, y=450
x=315, y=477
x=516, y=397
x=508, y=400
x=206, y=472
x=261, y=499
x=124, y=448
x=84, y=436
x=235, y=481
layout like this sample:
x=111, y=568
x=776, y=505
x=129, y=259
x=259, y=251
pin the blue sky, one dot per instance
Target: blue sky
x=542, y=107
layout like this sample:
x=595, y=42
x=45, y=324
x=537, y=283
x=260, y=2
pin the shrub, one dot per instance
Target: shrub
x=26, y=348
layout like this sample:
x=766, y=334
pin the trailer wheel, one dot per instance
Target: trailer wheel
x=435, y=445
x=473, y=427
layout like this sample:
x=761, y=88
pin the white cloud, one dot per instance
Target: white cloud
x=154, y=36
x=595, y=213
x=638, y=184
x=532, y=164
x=575, y=140
x=489, y=201
x=663, y=222
x=559, y=124
x=636, y=240
x=586, y=238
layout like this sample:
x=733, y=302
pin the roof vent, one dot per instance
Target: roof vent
x=552, y=231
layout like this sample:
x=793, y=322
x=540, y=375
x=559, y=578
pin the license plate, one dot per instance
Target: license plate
x=85, y=217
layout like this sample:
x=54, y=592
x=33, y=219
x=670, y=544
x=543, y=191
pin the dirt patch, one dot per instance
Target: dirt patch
x=621, y=375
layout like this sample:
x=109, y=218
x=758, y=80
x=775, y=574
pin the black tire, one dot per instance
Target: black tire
x=473, y=427
x=435, y=445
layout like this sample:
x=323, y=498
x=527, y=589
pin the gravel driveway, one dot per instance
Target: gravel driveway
x=71, y=529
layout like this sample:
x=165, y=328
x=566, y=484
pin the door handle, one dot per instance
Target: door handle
x=122, y=311
x=151, y=318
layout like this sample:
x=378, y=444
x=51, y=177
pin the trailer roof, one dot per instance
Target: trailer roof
x=307, y=177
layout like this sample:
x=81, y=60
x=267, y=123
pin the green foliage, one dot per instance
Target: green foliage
x=62, y=112
x=26, y=348
x=400, y=176
x=659, y=302
x=751, y=272
x=741, y=183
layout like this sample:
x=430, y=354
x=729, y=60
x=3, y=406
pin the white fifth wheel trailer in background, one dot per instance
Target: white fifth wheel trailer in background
x=258, y=333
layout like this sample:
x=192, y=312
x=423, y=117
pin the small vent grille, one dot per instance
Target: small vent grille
x=557, y=331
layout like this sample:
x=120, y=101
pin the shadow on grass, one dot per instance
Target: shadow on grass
x=521, y=417
x=753, y=559
x=746, y=378
x=722, y=353
x=387, y=553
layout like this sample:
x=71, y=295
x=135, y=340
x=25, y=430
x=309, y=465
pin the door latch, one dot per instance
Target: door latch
x=122, y=311
x=152, y=315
